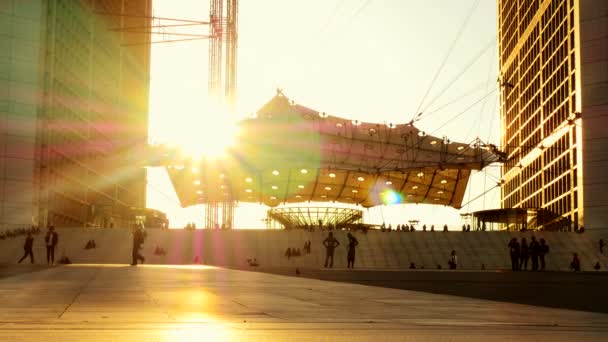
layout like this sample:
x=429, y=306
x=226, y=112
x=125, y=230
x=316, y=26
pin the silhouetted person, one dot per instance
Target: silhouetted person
x=432, y=227
x=453, y=261
x=464, y=228
x=543, y=250
x=352, y=244
x=138, y=240
x=412, y=266
x=596, y=266
x=534, y=250
x=514, y=251
x=424, y=227
x=601, y=246
x=575, y=264
x=27, y=248
x=445, y=227
x=330, y=244
x=51, y=239
x=468, y=227
x=288, y=253
x=524, y=255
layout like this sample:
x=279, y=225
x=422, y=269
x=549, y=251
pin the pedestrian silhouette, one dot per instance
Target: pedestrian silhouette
x=575, y=264
x=514, y=251
x=51, y=239
x=138, y=240
x=534, y=248
x=453, y=261
x=524, y=255
x=543, y=250
x=352, y=244
x=27, y=248
x=330, y=244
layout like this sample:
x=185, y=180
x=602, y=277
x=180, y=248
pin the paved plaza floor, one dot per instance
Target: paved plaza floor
x=199, y=303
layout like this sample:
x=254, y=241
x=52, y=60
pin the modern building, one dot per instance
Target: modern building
x=73, y=103
x=553, y=58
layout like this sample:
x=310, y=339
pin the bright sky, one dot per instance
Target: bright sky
x=363, y=59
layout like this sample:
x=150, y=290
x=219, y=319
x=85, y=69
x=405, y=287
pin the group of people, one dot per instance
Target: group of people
x=51, y=239
x=522, y=252
x=295, y=252
x=331, y=243
x=410, y=228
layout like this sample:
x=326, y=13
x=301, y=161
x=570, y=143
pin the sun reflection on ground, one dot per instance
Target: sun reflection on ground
x=200, y=332
x=185, y=267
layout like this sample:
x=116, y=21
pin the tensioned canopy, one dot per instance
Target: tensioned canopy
x=289, y=153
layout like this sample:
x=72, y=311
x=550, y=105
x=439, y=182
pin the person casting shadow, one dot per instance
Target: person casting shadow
x=27, y=248
x=330, y=244
x=352, y=244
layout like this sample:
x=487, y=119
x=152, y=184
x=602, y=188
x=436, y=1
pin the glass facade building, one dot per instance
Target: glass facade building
x=73, y=105
x=553, y=58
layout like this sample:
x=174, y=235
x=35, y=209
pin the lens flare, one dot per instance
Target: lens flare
x=389, y=196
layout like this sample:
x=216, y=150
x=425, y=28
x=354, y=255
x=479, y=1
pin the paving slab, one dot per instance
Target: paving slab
x=188, y=303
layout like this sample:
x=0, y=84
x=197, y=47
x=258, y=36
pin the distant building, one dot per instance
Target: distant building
x=553, y=58
x=73, y=103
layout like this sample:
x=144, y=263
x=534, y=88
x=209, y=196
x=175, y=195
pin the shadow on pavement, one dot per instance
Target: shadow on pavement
x=11, y=270
x=576, y=291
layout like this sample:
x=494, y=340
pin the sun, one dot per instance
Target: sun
x=204, y=131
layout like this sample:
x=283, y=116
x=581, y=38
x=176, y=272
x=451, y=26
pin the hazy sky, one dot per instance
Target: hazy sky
x=369, y=60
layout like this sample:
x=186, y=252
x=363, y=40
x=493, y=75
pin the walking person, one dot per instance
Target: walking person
x=524, y=255
x=27, y=248
x=543, y=250
x=51, y=239
x=534, y=249
x=514, y=251
x=330, y=244
x=138, y=240
x=352, y=244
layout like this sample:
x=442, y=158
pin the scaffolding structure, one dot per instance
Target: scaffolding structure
x=223, y=27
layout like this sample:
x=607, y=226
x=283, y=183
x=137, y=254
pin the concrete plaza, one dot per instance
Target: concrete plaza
x=200, y=303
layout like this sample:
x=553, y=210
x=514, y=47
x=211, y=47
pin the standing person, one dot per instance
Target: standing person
x=533, y=249
x=352, y=244
x=575, y=264
x=138, y=240
x=330, y=244
x=514, y=251
x=543, y=249
x=453, y=261
x=51, y=239
x=27, y=248
x=524, y=255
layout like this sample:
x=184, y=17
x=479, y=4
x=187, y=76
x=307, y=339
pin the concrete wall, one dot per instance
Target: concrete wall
x=594, y=102
x=376, y=250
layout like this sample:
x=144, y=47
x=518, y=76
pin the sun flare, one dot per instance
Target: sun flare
x=204, y=131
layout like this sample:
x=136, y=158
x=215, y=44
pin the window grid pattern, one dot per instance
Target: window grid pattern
x=94, y=114
x=538, y=95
